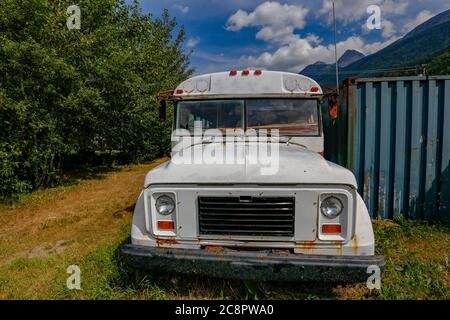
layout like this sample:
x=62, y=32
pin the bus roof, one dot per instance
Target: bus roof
x=248, y=83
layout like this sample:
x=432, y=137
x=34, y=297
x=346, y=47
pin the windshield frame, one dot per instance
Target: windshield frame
x=316, y=99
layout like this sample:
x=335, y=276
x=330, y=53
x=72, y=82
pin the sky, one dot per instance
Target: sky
x=288, y=35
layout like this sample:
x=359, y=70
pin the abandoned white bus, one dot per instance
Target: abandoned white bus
x=302, y=220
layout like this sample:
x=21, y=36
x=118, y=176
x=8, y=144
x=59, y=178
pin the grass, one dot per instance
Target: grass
x=86, y=222
x=417, y=260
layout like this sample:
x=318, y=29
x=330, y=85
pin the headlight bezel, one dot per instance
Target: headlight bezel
x=169, y=201
x=326, y=200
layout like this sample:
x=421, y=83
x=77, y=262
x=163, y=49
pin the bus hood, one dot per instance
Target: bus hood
x=293, y=165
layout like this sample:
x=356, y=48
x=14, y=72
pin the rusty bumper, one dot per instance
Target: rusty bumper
x=264, y=266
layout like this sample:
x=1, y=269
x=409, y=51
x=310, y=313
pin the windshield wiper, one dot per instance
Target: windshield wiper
x=212, y=140
x=288, y=141
x=203, y=141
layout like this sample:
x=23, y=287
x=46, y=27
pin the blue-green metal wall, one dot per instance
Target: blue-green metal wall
x=394, y=134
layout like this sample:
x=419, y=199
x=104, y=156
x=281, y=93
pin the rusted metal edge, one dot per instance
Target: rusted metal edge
x=251, y=265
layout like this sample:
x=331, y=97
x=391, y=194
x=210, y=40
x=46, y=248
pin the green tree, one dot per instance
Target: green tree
x=69, y=95
x=441, y=63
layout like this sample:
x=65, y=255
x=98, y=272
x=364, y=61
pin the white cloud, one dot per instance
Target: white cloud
x=388, y=28
x=354, y=10
x=277, y=21
x=313, y=39
x=181, y=8
x=298, y=54
x=373, y=47
x=192, y=42
x=392, y=7
x=277, y=24
x=419, y=19
x=289, y=47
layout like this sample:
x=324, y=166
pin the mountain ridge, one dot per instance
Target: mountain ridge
x=418, y=46
x=320, y=67
x=349, y=57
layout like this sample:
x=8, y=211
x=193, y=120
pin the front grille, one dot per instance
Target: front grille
x=247, y=216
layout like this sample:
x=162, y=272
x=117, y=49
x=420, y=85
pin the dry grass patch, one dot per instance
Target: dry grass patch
x=70, y=221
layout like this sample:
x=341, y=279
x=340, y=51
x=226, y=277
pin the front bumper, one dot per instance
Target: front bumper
x=251, y=265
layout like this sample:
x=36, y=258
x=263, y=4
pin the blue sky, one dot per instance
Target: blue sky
x=286, y=35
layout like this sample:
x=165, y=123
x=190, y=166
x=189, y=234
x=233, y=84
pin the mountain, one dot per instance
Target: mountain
x=316, y=69
x=410, y=50
x=349, y=57
x=434, y=21
x=320, y=68
x=419, y=46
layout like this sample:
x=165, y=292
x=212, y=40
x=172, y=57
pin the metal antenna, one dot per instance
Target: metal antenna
x=335, y=52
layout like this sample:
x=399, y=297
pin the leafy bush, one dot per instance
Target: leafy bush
x=67, y=96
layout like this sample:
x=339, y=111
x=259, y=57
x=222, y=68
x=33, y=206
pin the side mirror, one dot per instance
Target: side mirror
x=333, y=106
x=162, y=110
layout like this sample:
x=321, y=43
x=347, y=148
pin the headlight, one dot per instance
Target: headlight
x=165, y=205
x=331, y=207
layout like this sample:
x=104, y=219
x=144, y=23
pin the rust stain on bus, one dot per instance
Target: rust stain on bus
x=213, y=248
x=166, y=242
x=309, y=246
x=338, y=243
x=355, y=245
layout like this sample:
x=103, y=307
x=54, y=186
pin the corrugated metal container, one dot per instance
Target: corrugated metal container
x=397, y=143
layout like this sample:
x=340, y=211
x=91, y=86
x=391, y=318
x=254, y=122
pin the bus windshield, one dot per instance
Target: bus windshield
x=289, y=116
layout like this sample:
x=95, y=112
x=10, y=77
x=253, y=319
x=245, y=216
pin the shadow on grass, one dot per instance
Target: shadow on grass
x=74, y=176
x=151, y=285
x=69, y=178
